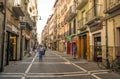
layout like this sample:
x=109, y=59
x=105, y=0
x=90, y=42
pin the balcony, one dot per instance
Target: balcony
x=81, y=24
x=80, y=4
x=112, y=6
x=71, y=13
x=18, y=8
x=94, y=15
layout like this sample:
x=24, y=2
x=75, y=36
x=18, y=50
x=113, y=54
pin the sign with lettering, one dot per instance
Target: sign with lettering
x=96, y=27
x=22, y=25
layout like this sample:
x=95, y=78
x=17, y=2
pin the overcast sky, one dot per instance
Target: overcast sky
x=44, y=10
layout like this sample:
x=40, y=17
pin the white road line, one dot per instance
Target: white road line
x=11, y=73
x=94, y=71
x=56, y=73
x=47, y=63
x=98, y=73
x=74, y=75
x=44, y=76
x=78, y=67
x=72, y=63
x=29, y=66
x=83, y=62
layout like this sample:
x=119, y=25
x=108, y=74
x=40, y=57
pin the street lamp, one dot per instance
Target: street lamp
x=38, y=17
x=22, y=26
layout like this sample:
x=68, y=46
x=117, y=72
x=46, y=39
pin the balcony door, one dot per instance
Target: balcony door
x=83, y=17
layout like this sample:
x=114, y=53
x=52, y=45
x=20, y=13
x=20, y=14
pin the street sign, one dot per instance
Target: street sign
x=22, y=25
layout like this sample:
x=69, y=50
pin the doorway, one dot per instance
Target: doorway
x=97, y=47
x=85, y=46
x=11, y=48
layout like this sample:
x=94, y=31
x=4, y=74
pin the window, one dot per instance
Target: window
x=70, y=29
x=17, y=2
x=74, y=26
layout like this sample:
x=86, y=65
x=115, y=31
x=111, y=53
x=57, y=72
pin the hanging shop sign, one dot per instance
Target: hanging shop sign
x=69, y=38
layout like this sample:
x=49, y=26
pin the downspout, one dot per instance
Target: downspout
x=106, y=38
x=107, y=51
x=114, y=37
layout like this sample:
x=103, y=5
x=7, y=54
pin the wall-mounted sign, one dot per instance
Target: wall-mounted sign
x=22, y=25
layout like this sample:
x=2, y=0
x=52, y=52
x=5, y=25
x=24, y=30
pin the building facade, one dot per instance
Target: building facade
x=17, y=25
x=92, y=24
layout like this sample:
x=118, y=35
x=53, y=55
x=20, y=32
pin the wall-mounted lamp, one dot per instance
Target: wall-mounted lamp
x=38, y=17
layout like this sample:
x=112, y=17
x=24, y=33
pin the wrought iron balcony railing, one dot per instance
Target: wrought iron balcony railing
x=94, y=13
x=71, y=13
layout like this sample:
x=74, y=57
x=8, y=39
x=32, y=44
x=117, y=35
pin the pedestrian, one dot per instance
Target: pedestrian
x=45, y=48
x=31, y=51
x=74, y=50
x=40, y=52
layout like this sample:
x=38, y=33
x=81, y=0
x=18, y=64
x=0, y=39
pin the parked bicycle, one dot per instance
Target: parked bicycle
x=116, y=64
x=113, y=64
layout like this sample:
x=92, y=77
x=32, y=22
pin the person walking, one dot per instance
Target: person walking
x=45, y=48
x=40, y=52
x=74, y=50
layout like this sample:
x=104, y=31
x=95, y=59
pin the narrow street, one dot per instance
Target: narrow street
x=55, y=65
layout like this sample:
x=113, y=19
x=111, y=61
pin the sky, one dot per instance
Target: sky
x=44, y=10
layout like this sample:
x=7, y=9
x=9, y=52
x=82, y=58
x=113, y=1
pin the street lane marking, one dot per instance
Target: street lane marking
x=82, y=62
x=46, y=63
x=94, y=71
x=11, y=73
x=94, y=75
x=71, y=63
x=29, y=66
x=56, y=73
x=78, y=67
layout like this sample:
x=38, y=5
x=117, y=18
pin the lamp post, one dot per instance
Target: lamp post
x=22, y=26
x=3, y=9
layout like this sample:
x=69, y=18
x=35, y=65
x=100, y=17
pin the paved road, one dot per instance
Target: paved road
x=55, y=65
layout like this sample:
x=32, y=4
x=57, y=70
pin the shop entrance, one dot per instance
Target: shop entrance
x=97, y=48
x=11, y=48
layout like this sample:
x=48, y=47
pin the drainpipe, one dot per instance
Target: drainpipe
x=21, y=44
x=114, y=37
x=3, y=38
x=107, y=51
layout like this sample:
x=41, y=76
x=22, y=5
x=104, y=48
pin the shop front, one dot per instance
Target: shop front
x=26, y=43
x=97, y=47
x=70, y=44
x=84, y=45
x=12, y=35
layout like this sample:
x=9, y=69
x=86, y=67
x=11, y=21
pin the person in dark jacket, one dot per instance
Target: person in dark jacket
x=74, y=50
